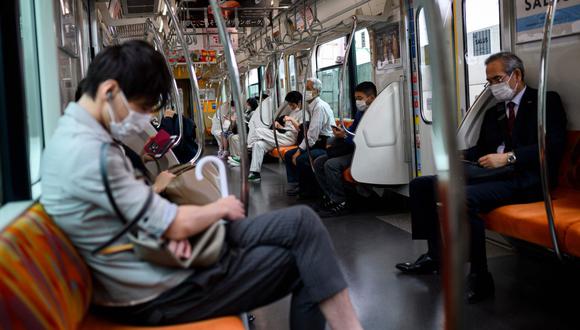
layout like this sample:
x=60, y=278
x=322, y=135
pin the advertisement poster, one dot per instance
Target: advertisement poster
x=531, y=16
x=387, y=47
x=249, y=13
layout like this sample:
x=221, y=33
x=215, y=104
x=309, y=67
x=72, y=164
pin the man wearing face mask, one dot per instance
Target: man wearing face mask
x=298, y=171
x=263, y=259
x=507, y=149
x=328, y=168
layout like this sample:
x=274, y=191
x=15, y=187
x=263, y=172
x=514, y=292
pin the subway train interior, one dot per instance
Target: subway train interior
x=353, y=133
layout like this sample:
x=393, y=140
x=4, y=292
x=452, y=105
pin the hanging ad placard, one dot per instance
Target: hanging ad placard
x=531, y=16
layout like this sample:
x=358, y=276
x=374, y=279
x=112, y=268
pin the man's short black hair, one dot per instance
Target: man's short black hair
x=293, y=97
x=367, y=87
x=80, y=90
x=138, y=68
x=510, y=61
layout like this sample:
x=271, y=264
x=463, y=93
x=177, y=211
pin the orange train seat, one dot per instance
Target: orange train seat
x=283, y=151
x=347, y=176
x=528, y=221
x=46, y=284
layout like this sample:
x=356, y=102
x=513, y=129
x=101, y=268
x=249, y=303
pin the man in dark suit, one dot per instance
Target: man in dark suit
x=508, y=143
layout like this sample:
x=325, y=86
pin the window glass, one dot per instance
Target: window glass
x=425, y=86
x=331, y=53
x=253, y=80
x=482, y=38
x=281, y=79
x=363, y=56
x=292, y=72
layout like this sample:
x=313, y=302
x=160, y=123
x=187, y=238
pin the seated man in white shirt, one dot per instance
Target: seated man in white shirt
x=286, y=135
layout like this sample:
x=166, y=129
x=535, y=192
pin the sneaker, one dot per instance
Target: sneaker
x=335, y=210
x=254, y=177
x=322, y=204
x=234, y=158
x=233, y=163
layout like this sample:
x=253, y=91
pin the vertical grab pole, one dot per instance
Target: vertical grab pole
x=179, y=105
x=542, y=90
x=450, y=173
x=306, y=73
x=341, y=93
x=237, y=95
x=261, y=91
x=194, y=96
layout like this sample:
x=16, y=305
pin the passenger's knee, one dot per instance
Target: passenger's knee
x=310, y=221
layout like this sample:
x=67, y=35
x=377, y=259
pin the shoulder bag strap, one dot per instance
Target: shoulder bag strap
x=128, y=224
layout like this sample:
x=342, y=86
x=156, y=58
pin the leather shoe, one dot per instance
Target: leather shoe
x=424, y=265
x=479, y=287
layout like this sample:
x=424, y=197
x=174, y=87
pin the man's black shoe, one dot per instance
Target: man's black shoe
x=479, y=287
x=335, y=210
x=424, y=265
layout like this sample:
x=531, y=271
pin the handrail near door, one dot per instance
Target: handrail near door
x=194, y=95
x=237, y=94
x=306, y=73
x=451, y=189
x=274, y=115
x=261, y=92
x=178, y=105
x=343, y=76
x=542, y=90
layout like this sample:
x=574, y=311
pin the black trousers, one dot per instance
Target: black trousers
x=480, y=198
x=268, y=257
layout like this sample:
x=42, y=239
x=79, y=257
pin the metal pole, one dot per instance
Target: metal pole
x=194, y=96
x=306, y=73
x=542, y=90
x=451, y=189
x=178, y=105
x=341, y=93
x=237, y=92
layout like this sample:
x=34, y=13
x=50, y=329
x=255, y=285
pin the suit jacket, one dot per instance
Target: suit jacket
x=524, y=138
x=188, y=146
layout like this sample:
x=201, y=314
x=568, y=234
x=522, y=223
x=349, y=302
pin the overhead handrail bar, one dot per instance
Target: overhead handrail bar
x=178, y=105
x=194, y=96
x=237, y=93
x=542, y=93
x=341, y=93
x=306, y=76
x=451, y=190
x=261, y=91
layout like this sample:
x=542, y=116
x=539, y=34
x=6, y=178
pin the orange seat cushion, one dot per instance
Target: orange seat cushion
x=529, y=222
x=283, y=151
x=222, y=323
x=347, y=176
x=572, y=240
x=44, y=283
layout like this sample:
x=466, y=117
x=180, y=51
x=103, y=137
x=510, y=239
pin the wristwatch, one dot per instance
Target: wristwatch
x=511, y=157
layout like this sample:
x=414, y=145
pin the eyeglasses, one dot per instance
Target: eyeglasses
x=495, y=80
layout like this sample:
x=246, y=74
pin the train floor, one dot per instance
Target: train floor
x=532, y=292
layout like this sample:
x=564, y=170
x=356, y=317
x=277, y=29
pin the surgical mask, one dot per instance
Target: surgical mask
x=361, y=105
x=502, y=91
x=309, y=96
x=134, y=123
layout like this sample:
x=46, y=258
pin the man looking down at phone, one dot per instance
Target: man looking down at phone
x=328, y=168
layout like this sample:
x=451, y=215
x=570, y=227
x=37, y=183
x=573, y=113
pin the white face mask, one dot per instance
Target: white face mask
x=309, y=96
x=134, y=123
x=502, y=91
x=361, y=105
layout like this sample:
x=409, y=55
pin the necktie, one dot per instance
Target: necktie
x=511, y=116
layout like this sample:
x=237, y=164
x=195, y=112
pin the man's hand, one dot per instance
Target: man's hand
x=162, y=181
x=277, y=125
x=232, y=207
x=493, y=160
x=181, y=249
x=295, y=156
x=338, y=132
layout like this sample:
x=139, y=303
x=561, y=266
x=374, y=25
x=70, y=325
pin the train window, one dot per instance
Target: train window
x=292, y=72
x=281, y=79
x=363, y=56
x=253, y=83
x=329, y=59
x=425, y=88
x=482, y=38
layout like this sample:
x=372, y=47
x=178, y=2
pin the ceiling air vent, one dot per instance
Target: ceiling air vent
x=139, y=7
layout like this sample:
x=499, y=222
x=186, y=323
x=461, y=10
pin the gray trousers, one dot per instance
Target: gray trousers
x=329, y=175
x=267, y=257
